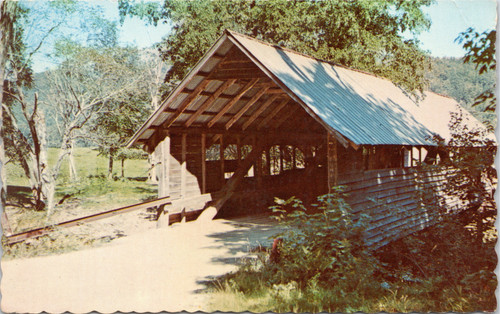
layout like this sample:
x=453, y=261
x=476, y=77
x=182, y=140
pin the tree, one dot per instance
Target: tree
x=8, y=14
x=462, y=82
x=361, y=34
x=86, y=80
x=480, y=51
x=112, y=127
x=17, y=76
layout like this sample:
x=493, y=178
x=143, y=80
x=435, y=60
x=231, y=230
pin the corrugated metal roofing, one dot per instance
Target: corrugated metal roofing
x=364, y=108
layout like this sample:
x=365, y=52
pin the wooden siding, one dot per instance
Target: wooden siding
x=177, y=180
x=399, y=201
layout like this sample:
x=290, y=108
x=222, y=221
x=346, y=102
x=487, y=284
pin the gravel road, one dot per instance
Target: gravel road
x=151, y=271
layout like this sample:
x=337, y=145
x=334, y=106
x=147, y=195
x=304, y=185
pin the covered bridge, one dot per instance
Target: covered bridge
x=252, y=121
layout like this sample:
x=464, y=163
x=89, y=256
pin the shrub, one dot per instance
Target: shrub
x=323, y=243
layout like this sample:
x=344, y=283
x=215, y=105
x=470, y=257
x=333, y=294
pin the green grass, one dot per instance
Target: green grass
x=249, y=291
x=91, y=193
x=88, y=163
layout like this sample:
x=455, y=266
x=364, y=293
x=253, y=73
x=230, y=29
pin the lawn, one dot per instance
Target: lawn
x=91, y=193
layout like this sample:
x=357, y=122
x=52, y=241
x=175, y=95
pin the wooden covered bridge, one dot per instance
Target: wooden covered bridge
x=252, y=121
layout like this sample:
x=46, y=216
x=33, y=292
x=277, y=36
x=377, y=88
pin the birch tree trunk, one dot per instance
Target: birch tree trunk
x=71, y=160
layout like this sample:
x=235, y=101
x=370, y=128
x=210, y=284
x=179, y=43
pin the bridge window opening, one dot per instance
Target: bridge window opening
x=213, y=153
x=231, y=152
x=299, y=159
x=245, y=150
x=275, y=158
x=287, y=156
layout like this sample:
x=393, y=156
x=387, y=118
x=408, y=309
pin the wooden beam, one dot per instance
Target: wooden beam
x=228, y=106
x=183, y=165
x=227, y=191
x=247, y=106
x=228, y=63
x=411, y=156
x=261, y=109
x=236, y=74
x=166, y=166
x=203, y=163
x=281, y=158
x=209, y=101
x=239, y=65
x=186, y=103
x=273, y=113
x=238, y=147
x=221, y=157
x=268, y=160
x=285, y=116
x=276, y=91
x=332, y=161
x=224, y=96
x=79, y=221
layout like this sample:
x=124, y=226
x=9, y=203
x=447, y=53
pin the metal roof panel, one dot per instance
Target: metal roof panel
x=363, y=107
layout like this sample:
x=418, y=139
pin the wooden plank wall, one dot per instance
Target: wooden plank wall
x=392, y=198
x=180, y=171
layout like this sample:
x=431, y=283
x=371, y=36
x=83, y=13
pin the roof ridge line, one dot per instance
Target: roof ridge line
x=232, y=33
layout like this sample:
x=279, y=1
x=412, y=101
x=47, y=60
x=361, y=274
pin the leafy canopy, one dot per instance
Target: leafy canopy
x=480, y=51
x=365, y=35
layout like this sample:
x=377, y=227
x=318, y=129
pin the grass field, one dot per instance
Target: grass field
x=91, y=193
x=88, y=164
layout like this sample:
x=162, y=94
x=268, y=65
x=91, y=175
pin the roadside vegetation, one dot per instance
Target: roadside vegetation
x=322, y=266
x=93, y=192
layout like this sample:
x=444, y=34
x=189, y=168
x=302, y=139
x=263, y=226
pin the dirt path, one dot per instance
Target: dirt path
x=160, y=269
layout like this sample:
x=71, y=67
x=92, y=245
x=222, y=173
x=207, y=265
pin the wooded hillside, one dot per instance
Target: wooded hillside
x=461, y=81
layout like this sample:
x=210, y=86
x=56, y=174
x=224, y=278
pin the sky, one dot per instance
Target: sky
x=449, y=18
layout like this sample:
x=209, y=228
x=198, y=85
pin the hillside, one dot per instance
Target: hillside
x=453, y=78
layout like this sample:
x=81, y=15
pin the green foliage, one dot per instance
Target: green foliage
x=324, y=267
x=473, y=178
x=361, y=34
x=326, y=239
x=481, y=52
x=461, y=81
x=446, y=265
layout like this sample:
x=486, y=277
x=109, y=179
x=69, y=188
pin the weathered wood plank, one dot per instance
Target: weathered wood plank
x=247, y=106
x=188, y=101
x=230, y=103
x=183, y=165
x=332, y=161
x=209, y=101
x=273, y=113
x=203, y=164
x=258, y=112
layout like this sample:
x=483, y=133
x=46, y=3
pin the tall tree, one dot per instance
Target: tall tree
x=366, y=35
x=86, y=80
x=17, y=76
x=8, y=14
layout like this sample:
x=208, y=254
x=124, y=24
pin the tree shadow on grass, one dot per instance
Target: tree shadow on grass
x=19, y=196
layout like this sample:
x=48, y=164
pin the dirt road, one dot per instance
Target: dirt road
x=160, y=269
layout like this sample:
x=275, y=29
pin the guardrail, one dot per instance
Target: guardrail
x=18, y=237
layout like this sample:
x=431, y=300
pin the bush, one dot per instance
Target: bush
x=323, y=244
x=323, y=265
